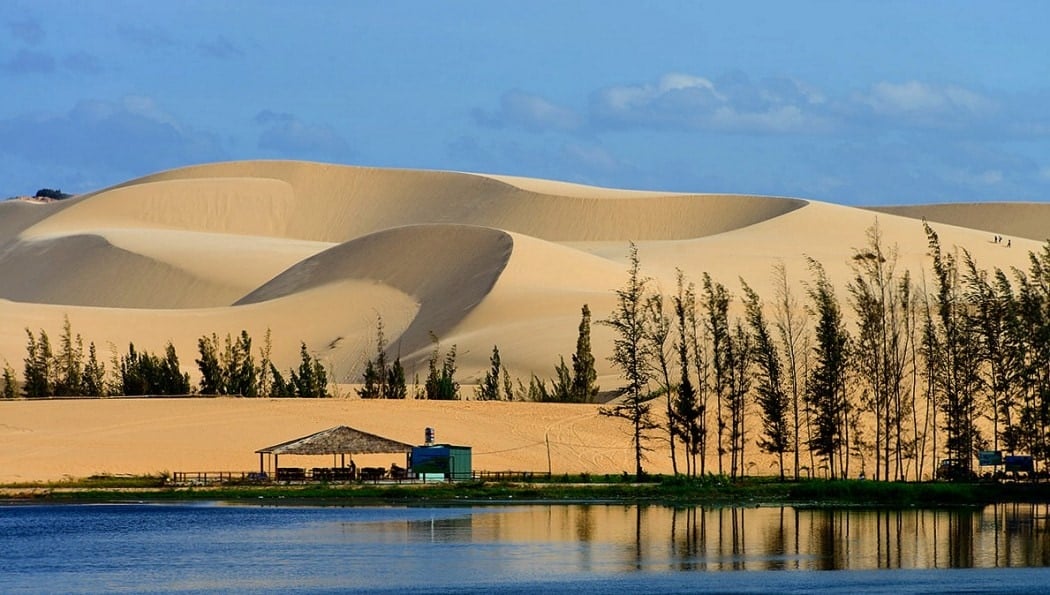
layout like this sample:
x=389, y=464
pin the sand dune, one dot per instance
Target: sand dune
x=447, y=269
x=315, y=253
x=42, y=271
x=335, y=204
x=1021, y=220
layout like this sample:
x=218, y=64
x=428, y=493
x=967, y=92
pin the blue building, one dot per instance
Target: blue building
x=451, y=461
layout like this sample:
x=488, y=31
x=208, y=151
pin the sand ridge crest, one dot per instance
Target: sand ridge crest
x=479, y=260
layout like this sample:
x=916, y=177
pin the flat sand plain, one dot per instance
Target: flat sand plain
x=315, y=253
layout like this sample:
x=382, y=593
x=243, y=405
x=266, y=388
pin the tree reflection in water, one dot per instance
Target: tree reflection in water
x=631, y=538
x=772, y=538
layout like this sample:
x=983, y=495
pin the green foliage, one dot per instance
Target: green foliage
x=383, y=380
x=536, y=391
x=441, y=384
x=38, y=377
x=212, y=381
x=143, y=373
x=687, y=410
x=233, y=370
x=772, y=399
x=173, y=381
x=657, y=334
x=826, y=386
x=279, y=387
x=240, y=369
x=373, y=381
x=312, y=379
x=740, y=378
x=508, y=385
x=9, y=389
x=489, y=389
x=395, y=381
x=51, y=193
x=629, y=354
x=69, y=362
x=265, y=365
x=561, y=391
x=576, y=385
x=584, y=387
x=716, y=308
x=94, y=374
x=957, y=374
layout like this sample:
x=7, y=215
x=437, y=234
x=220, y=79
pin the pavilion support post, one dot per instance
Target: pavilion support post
x=262, y=468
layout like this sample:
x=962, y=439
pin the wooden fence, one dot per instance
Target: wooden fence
x=298, y=475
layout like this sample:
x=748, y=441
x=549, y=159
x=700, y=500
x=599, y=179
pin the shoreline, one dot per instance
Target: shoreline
x=665, y=490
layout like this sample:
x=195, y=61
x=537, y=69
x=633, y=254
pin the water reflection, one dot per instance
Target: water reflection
x=657, y=538
x=1003, y=535
x=523, y=548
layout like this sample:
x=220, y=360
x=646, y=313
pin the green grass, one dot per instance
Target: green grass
x=683, y=491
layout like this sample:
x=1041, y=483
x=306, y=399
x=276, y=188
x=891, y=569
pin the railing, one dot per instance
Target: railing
x=374, y=475
x=217, y=477
x=510, y=475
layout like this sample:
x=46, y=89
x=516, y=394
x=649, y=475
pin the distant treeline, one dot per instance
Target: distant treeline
x=227, y=367
x=386, y=380
x=51, y=193
x=924, y=371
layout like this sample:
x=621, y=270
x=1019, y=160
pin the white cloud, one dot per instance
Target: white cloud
x=987, y=177
x=734, y=105
x=925, y=102
x=530, y=112
x=592, y=157
x=678, y=82
x=118, y=139
x=288, y=136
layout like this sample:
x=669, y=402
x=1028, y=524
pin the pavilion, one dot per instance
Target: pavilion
x=340, y=440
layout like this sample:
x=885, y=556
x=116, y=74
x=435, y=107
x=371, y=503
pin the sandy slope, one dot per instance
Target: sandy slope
x=316, y=252
x=1018, y=219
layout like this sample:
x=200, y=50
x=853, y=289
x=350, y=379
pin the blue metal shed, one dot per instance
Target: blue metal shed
x=451, y=461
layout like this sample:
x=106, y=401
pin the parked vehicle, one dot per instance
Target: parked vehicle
x=956, y=470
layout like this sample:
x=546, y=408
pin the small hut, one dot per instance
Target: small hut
x=450, y=461
x=338, y=441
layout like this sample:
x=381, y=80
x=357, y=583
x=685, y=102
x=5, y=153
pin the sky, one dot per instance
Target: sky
x=856, y=102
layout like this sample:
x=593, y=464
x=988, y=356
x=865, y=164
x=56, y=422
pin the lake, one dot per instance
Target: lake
x=582, y=548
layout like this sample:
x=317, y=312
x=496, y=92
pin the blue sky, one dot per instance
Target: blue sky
x=850, y=102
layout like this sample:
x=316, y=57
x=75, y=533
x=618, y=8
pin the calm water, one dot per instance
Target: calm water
x=525, y=548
